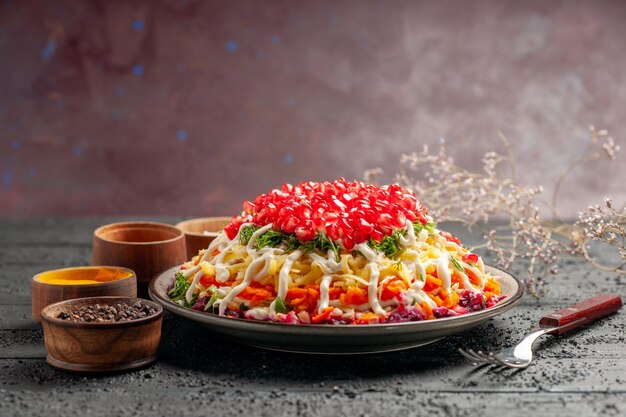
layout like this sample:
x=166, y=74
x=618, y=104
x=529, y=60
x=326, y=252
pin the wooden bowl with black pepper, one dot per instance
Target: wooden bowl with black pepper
x=102, y=334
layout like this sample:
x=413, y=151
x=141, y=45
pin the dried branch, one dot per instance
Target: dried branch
x=453, y=193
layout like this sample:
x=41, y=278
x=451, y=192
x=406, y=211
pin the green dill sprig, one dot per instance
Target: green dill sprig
x=246, y=232
x=270, y=239
x=321, y=243
x=456, y=265
x=389, y=245
x=275, y=238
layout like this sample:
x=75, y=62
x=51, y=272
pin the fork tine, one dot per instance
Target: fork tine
x=486, y=356
x=467, y=354
x=497, y=361
x=471, y=355
x=481, y=358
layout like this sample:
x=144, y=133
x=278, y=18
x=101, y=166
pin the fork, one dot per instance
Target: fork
x=559, y=322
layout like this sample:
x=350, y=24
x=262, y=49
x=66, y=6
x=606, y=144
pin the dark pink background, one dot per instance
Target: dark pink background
x=190, y=107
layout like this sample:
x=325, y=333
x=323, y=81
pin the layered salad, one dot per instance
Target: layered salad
x=341, y=253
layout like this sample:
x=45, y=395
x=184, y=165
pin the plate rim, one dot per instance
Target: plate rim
x=325, y=329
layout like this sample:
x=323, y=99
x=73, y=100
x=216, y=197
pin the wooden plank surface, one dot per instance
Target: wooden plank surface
x=200, y=373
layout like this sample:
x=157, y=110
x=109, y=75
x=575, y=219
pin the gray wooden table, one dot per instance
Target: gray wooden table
x=199, y=373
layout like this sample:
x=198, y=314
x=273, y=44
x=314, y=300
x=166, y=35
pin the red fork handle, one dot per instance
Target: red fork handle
x=581, y=313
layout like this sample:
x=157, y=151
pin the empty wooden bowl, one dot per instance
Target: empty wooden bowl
x=100, y=346
x=147, y=248
x=78, y=282
x=199, y=233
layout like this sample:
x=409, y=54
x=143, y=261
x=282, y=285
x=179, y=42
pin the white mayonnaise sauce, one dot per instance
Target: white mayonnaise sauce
x=419, y=296
x=372, y=266
x=257, y=313
x=453, y=246
x=410, y=238
x=197, y=270
x=220, y=241
x=324, y=293
x=283, y=279
x=443, y=270
x=254, y=271
x=221, y=272
x=481, y=265
x=416, y=271
x=476, y=273
x=330, y=266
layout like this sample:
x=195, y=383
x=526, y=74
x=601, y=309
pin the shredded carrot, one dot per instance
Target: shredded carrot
x=325, y=315
x=456, y=276
x=335, y=292
x=393, y=288
x=303, y=298
x=296, y=292
x=472, y=277
x=432, y=283
x=492, y=286
x=368, y=318
x=354, y=296
x=437, y=299
x=257, y=295
x=208, y=280
x=450, y=298
x=427, y=310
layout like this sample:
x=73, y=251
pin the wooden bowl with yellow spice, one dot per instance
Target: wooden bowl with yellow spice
x=78, y=282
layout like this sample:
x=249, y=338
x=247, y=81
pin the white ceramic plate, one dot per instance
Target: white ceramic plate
x=338, y=339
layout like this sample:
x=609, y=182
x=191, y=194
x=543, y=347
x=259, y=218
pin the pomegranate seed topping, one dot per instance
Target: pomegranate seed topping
x=348, y=212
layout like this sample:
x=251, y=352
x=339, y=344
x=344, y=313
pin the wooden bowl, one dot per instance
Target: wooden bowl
x=110, y=281
x=199, y=233
x=100, y=347
x=147, y=248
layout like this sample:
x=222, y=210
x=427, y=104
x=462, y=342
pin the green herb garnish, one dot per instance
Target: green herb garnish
x=456, y=264
x=398, y=265
x=211, y=301
x=418, y=227
x=274, y=238
x=390, y=245
x=246, y=232
x=321, y=243
x=280, y=306
x=270, y=238
x=181, y=285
